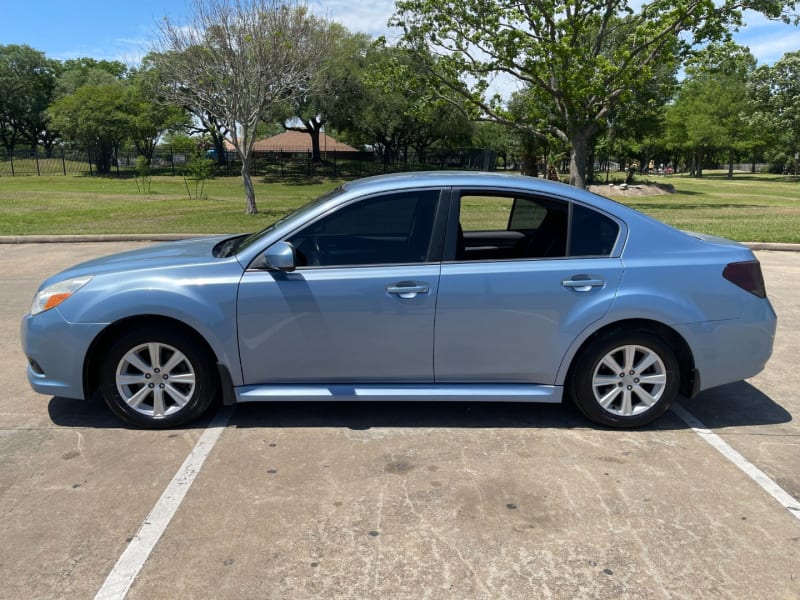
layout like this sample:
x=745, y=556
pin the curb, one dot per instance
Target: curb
x=173, y=237
x=774, y=246
x=110, y=237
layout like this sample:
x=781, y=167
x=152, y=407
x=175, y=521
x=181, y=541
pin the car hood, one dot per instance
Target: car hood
x=170, y=254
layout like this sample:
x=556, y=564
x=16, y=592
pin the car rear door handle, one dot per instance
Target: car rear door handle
x=407, y=289
x=582, y=283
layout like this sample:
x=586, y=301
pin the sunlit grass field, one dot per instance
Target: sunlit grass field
x=746, y=208
x=91, y=205
x=749, y=208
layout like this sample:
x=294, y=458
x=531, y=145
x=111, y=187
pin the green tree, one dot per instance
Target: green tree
x=78, y=72
x=709, y=112
x=150, y=117
x=582, y=58
x=95, y=117
x=27, y=85
x=774, y=103
x=399, y=107
x=504, y=141
x=180, y=143
x=333, y=90
x=240, y=61
x=634, y=128
x=381, y=117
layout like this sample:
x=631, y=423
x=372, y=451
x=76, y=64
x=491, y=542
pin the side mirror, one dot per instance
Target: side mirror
x=281, y=256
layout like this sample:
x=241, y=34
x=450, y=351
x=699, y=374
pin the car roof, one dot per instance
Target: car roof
x=480, y=179
x=450, y=178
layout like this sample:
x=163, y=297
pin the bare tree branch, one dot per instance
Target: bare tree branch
x=240, y=60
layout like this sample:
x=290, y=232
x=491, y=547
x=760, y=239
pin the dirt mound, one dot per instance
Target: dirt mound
x=644, y=189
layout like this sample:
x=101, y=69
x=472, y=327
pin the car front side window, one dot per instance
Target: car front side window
x=388, y=229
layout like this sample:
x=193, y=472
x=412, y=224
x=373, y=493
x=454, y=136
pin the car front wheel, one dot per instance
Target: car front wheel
x=626, y=379
x=157, y=378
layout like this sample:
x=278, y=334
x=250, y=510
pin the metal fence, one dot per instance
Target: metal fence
x=26, y=162
x=281, y=165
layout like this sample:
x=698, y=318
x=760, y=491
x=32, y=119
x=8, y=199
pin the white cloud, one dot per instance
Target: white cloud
x=769, y=48
x=370, y=17
x=768, y=40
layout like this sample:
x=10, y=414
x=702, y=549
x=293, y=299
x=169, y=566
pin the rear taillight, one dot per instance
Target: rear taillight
x=747, y=275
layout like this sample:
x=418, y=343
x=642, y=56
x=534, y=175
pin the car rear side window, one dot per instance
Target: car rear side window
x=526, y=215
x=504, y=226
x=591, y=233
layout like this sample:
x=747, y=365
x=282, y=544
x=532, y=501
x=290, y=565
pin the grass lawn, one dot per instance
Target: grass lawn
x=747, y=208
x=84, y=205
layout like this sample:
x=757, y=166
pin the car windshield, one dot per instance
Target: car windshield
x=236, y=244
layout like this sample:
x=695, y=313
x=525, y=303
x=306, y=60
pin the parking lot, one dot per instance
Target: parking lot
x=423, y=500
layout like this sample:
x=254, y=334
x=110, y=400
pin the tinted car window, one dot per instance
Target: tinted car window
x=394, y=228
x=502, y=227
x=484, y=212
x=526, y=214
x=591, y=233
x=243, y=242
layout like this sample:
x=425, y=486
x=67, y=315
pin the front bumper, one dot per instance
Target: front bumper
x=56, y=350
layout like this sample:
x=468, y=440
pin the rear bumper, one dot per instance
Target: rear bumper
x=733, y=349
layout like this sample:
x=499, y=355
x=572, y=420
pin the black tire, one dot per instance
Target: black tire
x=132, y=383
x=633, y=396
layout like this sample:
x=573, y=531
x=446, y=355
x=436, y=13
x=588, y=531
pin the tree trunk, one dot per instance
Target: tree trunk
x=579, y=144
x=730, y=164
x=316, y=155
x=219, y=148
x=105, y=153
x=421, y=150
x=529, y=164
x=312, y=127
x=251, y=209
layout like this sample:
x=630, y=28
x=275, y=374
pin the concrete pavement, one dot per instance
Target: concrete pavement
x=393, y=500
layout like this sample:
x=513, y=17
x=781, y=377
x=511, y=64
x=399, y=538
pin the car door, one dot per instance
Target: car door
x=511, y=319
x=360, y=307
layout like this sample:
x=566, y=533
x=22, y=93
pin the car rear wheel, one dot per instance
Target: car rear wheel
x=158, y=378
x=625, y=379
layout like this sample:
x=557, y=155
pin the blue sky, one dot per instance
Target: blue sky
x=122, y=30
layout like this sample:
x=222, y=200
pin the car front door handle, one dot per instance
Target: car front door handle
x=582, y=283
x=407, y=289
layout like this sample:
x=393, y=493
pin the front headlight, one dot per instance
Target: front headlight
x=55, y=294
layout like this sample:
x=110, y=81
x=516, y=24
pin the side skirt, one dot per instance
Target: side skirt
x=396, y=393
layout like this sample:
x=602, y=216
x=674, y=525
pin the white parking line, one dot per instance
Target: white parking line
x=752, y=471
x=132, y=560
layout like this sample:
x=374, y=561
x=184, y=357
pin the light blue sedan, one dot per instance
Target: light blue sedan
x=423, y=286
